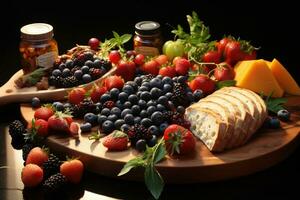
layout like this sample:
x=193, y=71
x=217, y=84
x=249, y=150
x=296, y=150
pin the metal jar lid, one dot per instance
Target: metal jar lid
x=147, y=27
x=37, y=32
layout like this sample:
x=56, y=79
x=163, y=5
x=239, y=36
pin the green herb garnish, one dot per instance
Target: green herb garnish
x=227, y=83
x=274, y=104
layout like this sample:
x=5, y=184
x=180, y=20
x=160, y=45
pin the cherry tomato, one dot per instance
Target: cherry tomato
x=114, y=56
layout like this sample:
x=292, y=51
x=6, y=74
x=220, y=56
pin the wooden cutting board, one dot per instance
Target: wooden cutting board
x=265, y=149
x=9, y=93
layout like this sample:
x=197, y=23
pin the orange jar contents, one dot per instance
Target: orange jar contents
x=147, y=39
x=38, y=48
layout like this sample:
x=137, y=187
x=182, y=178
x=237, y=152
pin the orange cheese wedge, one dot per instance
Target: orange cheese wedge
x=284, y=78
x=258, y=77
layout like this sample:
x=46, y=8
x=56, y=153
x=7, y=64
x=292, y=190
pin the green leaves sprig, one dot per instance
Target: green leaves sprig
x=274, y=104
x=151, y=156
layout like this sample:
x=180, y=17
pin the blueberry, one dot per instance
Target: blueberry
x=274, y=123
x=167, y=88
x=97, y=63
x=144, y=114
x=85, y=69
x=67, y=106
x=108, y=126
x=160, y=107
x=181, y=79
x=162, y=100
x=128, y=89
x=129, y=119
x=119, y=104
x=150, y=110
x=146, y=122
x=151, y=103
x=159, y=76
x=143, y=88
x=78, y=74
x=112, y=117
x=167, y=80
x=284, y=115
x=153, y=130
x=140, y=145
x=175, y=79
x=180, y=109
x=125, y=127
x=157, y=117
x=56, y=72
x=127, y=104
x=139, y=93
x=132, y=84
x=137, y=120
x=198, y=94
x=123, y=97
x=35, y=102
x=105, y=97
x=105, y=111
x=86, y=78
x=169, y=95
x=170, y=105
x=66, y=72
x=146, y=84
x=119, y=123
x=152, y=141
x=135, y=109
x=190, y=96
x=101, y=119
x=138, y=80
x=163, y=126
x=85, y=127
x=142, y=103
x=62, y=66
x=89, y=63
x=155, y=92
x=55, y=103
x=114, y=93
x=133, y=99
x=146, y=96
x=59, y=106
x=155, y=82
x=69, y=64
x=125, y=112
x=116, y=111
x=91, y=118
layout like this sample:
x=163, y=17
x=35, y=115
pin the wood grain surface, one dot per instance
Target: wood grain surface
x=265, y=149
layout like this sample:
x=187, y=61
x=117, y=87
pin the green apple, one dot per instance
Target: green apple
x=173, y=49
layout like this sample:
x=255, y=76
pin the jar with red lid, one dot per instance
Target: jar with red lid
x=148, y=39
x=38, y=48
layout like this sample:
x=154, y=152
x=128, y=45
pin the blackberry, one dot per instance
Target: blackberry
x=51, y=166
x=70, y=81
x=95, y=73
x=86, y=106
x=57, y=82
x=109, y=104
x=167, y=116
x=179, y=95
x=74, y=69
x=16, y=129
x=55, y=183
x=52, y=80
x=26, y=149
x=106, y=64
x=138, y=132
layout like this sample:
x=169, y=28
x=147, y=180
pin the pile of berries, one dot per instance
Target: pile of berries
x=82, y=68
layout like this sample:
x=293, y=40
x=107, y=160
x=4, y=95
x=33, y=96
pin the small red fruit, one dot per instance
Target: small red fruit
x=37, y=156
x=59, y=122
x=179, y=140
x=182, y=66
x=151, y=67
x=161, y=59
x=126, y=69
x=94, y=43
x=76, y=95
x=233, y=52
x=96, y=93
x=167, y=71
x=116, y=141
x=204, y=83
x=32, y=175
x=224, y=72
x=114, y=56
x=250, y=56
x=40, y=125
x=43, y=113
x=72, y=170
x=212, y=57
x=176, y=59
x=222, y=44
x=139, y=59
x=74, y=129
x=113, y=82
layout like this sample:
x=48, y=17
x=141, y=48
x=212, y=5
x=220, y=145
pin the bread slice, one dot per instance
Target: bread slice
x=207, y=126
x=234, y=110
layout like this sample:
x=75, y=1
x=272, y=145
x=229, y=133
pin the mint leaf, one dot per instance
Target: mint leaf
x=125, y=38
x=226, y=83
x=159, y=152
x=275, y=104
x=153, y=181
x=116, y=35
x=136, y=162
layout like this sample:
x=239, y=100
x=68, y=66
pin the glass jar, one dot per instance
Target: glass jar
x=38, y=48
x=148, y=39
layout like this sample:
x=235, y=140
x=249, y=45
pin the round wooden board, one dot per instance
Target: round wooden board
x=265, y=149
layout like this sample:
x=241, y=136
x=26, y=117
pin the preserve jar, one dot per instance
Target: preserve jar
x=38, y=48
x=147, y=39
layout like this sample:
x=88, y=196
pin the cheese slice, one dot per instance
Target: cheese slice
x=284, y=78
x=258, y=77
x=240, y=68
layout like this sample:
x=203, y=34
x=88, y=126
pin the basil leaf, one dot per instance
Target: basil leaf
x=153, y=181
x=135, y=162
x=226, y=83
x=116, y=35
x=159, y=152
x=125, y=38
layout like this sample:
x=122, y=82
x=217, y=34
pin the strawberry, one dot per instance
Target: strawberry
x=37, y=156
x=139, y=59
x=96, y=92
x=72, y=170
x=76, y=95
x=179, y=140
x=204, y=83
x=32, y=175
x=40, y=125
x=43, y=113
x=126, y=69
x=116, y=141
x=74, y=129
x=167, y=71
x=60, y=122
x=161, y=59
x=150, y=67
x=182, y=66
x=222, y=44
x=113, y=82
x=224, y=72
x=212, y=57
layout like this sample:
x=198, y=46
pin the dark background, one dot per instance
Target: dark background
x=272, y=26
